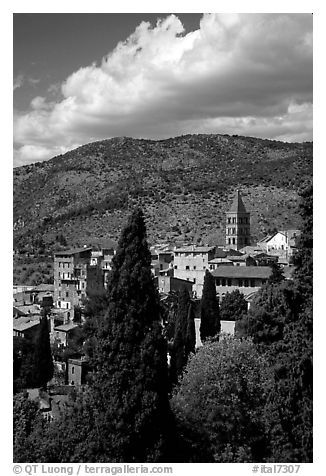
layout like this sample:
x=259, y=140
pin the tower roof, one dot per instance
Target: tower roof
x=237, y=205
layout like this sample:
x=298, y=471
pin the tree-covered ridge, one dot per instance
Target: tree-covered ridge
x=184, y=184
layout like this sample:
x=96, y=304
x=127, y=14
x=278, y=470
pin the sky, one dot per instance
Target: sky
x=78, y=78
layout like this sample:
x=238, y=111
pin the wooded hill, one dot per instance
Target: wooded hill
x=184, y=184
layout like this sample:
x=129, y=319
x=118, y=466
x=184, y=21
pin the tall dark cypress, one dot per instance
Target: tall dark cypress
x=191, y=331
x=43, y=362
x=131, y=385
x=210, y=324
x=179, y=355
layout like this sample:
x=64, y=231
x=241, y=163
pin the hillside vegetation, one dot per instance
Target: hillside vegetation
x=184, y=184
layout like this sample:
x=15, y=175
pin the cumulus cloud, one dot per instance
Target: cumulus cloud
x=238, y=73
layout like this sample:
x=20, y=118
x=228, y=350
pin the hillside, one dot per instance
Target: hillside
x=184, y=184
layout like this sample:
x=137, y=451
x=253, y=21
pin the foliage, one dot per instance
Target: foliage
x=43, y=362
x=130, y=388
x=277, y=275
x=210, y=324
x=292, y=397
x=26, y=419
x=23, y=365
x=179, y=351
x=266, y=317
x=223, y=392
x=233, y=306
x=191, y=330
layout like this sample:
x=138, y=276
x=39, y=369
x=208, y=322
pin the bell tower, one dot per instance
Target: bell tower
x=237, y=224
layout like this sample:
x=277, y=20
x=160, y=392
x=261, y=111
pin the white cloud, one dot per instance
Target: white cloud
x=238, y=73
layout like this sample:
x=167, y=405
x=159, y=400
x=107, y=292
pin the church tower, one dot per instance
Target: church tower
x=237, y=224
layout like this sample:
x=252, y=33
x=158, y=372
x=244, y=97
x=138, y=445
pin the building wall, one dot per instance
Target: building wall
x=277, y=242
x=74, y=372
x=192, y=266
x=168, y=283
x=70, y=278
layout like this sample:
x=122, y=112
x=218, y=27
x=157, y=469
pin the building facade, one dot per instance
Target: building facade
x=70, y=278
x=237, y=224
x=247, y=279
x=191, y=263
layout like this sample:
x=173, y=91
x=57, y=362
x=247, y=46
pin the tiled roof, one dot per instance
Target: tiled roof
x=195, y=249
x=238, y=258
x=26, y=322
x=219, y=260
x=72, y=251
x=237, y=205
x=29, y=309
x=44, y=287
x=253, y=272
x=66, y=327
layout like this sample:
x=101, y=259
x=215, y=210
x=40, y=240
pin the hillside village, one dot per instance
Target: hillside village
x=236, y=264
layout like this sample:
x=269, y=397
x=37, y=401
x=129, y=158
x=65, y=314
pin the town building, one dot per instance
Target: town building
x=76, y=371
x=70, y=277
x=26, y=326
x=237, y=224
x=246, y=279
x=167, y=284
x=191, y=263
x=281, y=243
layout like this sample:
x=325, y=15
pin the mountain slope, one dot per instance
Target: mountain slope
x=184, y=184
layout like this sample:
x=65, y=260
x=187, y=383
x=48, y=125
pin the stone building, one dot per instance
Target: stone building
x=70, y=278
x=237, y=224
x=190, y=264
x=247, y=279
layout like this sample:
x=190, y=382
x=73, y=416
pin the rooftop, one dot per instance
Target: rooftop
x=44, y=287
x=26, y=322
x=73, y=251
x=237, y=205
x=262, y=272
x=66, y=327
x=194, y=249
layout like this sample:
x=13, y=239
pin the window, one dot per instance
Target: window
x=229, y=241
x=229, y=220
x=194, y=267
x=233, y=241
x=72, y=370
x=67, y=294
x=234, y=220
x=223, y=282
x=175, y=266
x=187, y=267
x=252, y=283
x=233, y=231
x=229, y=282
x=67, y=306
x=246, y=283
x=240, y=282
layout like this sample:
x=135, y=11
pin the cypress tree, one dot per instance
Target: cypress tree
x=131, y=385
x=191, y=331
x=43, y=362
x=209, y=309
x=179, y=355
